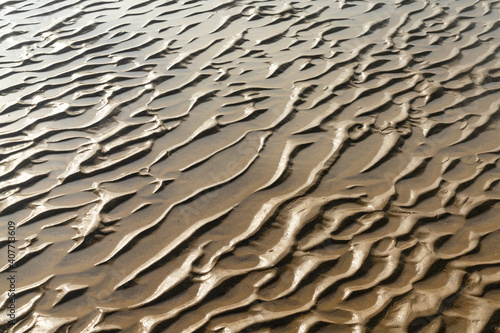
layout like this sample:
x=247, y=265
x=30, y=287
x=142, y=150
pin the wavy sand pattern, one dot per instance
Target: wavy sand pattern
x=252, y=166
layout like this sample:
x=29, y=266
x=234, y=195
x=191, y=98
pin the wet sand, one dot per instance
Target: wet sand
x=251, y=166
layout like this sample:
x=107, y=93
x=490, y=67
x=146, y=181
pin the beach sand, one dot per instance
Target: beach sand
x=250, y=166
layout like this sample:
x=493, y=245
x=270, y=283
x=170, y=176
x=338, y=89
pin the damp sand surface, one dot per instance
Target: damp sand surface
x=251, y=166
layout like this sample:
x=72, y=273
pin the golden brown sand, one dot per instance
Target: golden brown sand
x=251, y=166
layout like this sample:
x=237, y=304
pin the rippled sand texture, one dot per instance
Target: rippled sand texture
x=252, y=166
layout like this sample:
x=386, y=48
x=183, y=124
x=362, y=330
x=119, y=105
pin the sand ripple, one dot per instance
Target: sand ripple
x=251, y=166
